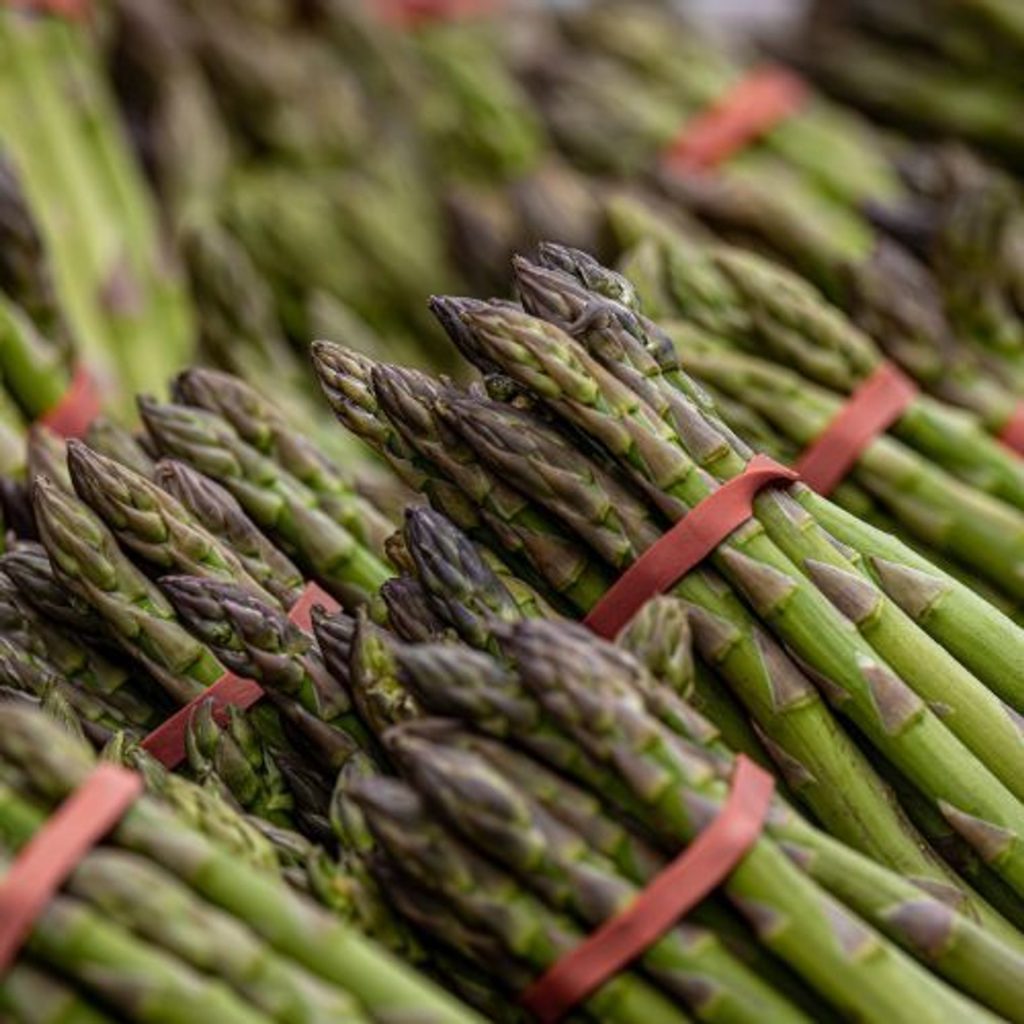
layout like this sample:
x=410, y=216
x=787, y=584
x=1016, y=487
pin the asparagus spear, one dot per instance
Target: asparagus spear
x=346, y=379
x=410, y=613
x=234, y=757
x=221, y=514
x=48, y=457
x=29, y=566
x=260, y=424
x=109, y=438
x=32, y=995
x=133, y=977
x=275, y=499
x=134, y=894
x=74, y=659
x=410, y=401
x=151, y=523
x=373, y=680
x=55, y=765
x=463, y=588
x=257, y=640
x=87, y=561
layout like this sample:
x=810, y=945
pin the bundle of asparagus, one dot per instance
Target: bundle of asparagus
x=482, y=852
x=781, y=362
x=929, y=66
x=162, y=922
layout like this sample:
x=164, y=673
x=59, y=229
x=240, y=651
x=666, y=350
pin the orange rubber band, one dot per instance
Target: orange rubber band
x=878, y=402
x=167, y=741
x=687, y=544
x=411, y=13
x=675, y=891
x=77, y=408
x=50, y=856
x=1012, y=435
x=751, y=108
x=71, y=9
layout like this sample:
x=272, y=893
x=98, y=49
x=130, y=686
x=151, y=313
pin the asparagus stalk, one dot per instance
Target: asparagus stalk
x=134, y=894
x=109, y=438
x=485, y=897
x=87, y=561
x=819, y=763
x=151, y=523
x=273, y=497
x=260, y=424
x=463, y=588
x=222, y=515
x=603, y=722
x=256, y=640
x=32, y=995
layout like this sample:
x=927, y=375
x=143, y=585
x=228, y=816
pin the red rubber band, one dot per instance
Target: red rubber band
x=77, y=408
x=878, y=402
x=1012, y=435
x=675, y=891
x=167, y=741
x=57, y=848
x=683, y=547
x=410, y=13
x=72, y=9
x=750, y=109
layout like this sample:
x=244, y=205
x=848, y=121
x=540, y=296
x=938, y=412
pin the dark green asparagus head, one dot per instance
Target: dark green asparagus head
x=334, y=633
x=461, y=586
x=462, y=683
x=347, y=820
x=472, y=796
x=401, y=823
x=53, y=762
x=256, y=640
x=659, y=637
x=344, y=376
x=410, y=612
x=47, y=457
x=254, y=417
x=451, y=312
x=594, y=690
x=380, y=696
x=109, y=438
x=193, y=435
x=594, y=276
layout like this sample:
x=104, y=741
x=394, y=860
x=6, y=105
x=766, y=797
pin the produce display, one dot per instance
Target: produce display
x=508, y=514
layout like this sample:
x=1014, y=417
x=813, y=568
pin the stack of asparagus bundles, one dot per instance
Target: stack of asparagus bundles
x=930, y=66
x=484, y=845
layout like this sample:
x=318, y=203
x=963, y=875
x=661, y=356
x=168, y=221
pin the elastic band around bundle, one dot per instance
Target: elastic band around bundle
x=411, y=13
x=703, y=866
x=685, y=546
x=879, y=402
x=77, y=408
x=1012, y=435
x=70, y=9
x=750, y=109
x=167, y=742
x=51, y=855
